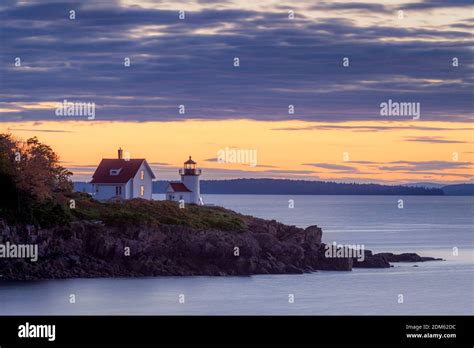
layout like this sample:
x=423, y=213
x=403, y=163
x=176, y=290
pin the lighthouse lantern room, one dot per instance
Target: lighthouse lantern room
x=188, y=190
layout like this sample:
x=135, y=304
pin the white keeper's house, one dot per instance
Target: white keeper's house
x=119, y=178
x=188, y=190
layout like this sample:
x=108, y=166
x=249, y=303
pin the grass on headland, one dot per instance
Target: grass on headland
x=152, y=213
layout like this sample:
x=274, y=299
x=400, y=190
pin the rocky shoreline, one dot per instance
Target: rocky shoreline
x=87, y=249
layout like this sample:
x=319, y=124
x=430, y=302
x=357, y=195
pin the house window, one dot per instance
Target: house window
x=97, y=189
x=142, y=175
x=118, y=190
x=115, y=172
x=142, y=190
x=180, y=197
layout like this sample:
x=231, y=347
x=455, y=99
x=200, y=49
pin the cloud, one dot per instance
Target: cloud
x=288, y=171
x=405, y=167
x=190, y=62
x=437, y=4
x=359, y=6
x=214, y=159
x=332, y=166
x=82, y=171
x=370, y=128
x=40, y=130
x=266, y=166
x=425, y=165
x=363, y=162
x=159, y=164
x=466, y=177
x=434, y=140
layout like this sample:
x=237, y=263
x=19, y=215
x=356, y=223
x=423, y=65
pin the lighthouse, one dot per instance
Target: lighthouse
x=190, y=178
x=188, y=189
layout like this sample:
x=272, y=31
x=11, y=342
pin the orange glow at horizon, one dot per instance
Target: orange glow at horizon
x=285, y=148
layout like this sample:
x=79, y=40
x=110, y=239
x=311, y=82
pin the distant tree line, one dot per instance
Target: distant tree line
x=304, y=187
x=301, y=187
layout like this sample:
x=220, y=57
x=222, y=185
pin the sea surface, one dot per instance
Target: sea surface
x=430, y=226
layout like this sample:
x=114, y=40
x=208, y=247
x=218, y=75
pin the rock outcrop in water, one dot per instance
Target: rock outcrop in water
x=92, y=249
x=382, y=260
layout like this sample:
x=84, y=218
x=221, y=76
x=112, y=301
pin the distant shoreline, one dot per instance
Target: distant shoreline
x=306, y=187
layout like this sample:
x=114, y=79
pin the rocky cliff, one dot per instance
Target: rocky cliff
x=94, y=249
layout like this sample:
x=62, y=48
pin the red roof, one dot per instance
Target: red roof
x=189, y=161
x=128, y=169
x=179, y=187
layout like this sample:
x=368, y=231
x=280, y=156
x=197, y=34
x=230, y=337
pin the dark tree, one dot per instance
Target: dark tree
x=33, y=184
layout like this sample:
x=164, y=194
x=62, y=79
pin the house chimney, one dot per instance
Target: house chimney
x=120, y=153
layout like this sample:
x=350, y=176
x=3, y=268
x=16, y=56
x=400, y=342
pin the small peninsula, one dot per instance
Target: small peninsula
x=77, y=236
x=156, y=238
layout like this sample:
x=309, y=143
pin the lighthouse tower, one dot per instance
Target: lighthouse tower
x=190, y=178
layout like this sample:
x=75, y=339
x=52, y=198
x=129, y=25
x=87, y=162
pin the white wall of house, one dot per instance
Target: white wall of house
x=104, y=192
x=129, y=189
x=138, y=182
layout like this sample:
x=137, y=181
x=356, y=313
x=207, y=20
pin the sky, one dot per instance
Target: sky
x=182, y=94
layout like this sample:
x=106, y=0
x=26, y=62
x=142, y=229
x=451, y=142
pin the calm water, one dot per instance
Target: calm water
x=430, y=226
